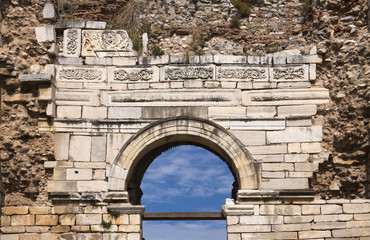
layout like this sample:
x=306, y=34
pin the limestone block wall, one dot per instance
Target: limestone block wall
x=319, y=219
x=69, y=222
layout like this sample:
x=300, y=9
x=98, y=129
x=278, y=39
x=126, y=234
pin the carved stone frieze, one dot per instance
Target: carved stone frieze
x=81, y=74
x=105, y=41
x=133, y=75
x=244, y=73
x=199, y=72
x=72, y=43
x=290, y=73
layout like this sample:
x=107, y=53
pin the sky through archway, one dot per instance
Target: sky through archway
x=186, y=179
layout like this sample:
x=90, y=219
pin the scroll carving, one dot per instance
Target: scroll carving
x=72, y=43
x=245, y=73
x=189, y=73
x=80, y=74
x=134, y=75
x=289, y=73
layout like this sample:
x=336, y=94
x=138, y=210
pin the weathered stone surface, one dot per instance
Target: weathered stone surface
x=61, y=143
x=295, y=134
x=311, y=147
x=137, y=74
x=62, y=186
x=302, y=110
x=314, y=234
x=39, y=210
x=296, y=157
x=45, y=34
x=229, y=59
x=95, y=25
x=124, y=61
x=92, y=186
x=229, y=112
x=114, y=236
x=298, y=219
x=331, y=209
x=69, y=112
x=287, y=183
x=310, y=209
x=285, y=97
x=105, y=40
x=273, y=235
x=261, y=111
x=78, y=174
x=280, y=210
x=35, y=78
x=67, y=219
x=290, y=73
x=172, y=98
x=70, y=61
x=15, y=210
x=261, y=220
x=253, y=124
x=291, y=227
x=241, y=73
x=248, y=228
x=357, y=232
x=124, y=112
x=46, y=220
x=13, y=229
x=98, y=148
x=23, y=220
x=80, y=147
x=98, y=61
x=72, y=42
x=167, y=112
x=356, y=208
x=94, y=112
x=173, y=73
x=251, y=137
x=88, y=219
x=271, y=149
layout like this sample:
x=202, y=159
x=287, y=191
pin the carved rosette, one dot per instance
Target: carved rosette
x=106, y=40
x=289, y=73
x=242, y=73
x=80, y=74
x=133, y=75
x=189, y=73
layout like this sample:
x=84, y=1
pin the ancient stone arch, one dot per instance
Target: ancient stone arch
x=141, y=149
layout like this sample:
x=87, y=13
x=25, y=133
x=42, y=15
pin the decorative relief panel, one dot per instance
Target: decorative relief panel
x=242, y=73
x=105, y=41
x=81, y=74
x=72, y=42
x=191, y=72
x=133, y=74
x=289, y=73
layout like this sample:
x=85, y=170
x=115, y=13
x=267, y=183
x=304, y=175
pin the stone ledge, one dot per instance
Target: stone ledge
x=36, y=78
x=263, y=195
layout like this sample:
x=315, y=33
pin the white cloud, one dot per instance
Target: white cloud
x=186, y=171
x=184, y=230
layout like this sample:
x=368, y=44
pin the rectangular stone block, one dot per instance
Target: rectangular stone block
x=254, y=59
x=72, y=42
x=296, y=134
x=5, y=221
x=300, y=110
x=286, y=183
x=45, y=220
x=13, y=229
x=280, y=210
x=155, y=60
x=129, y=228
x=70, y=61
x=124, y=61
x=311, y=147
x=71, y=112
x=306, y=167
x=78, y=174
x=269, y=158
x=194, y=97
x=356, y=232
x=311, y=209
x=260, y=220
x=228, y=112
x=314, y=234
x=15, y=210
x=95, y=24
x=187, y=73
x=124, y=112
x=92, y=186
x=62, y=186
x=10, y=237
x=84, y=74
x=312, y=72
x=299, y=123
x=65, y=209
x=285, y=97
x=73, y=97
x=67, y=219
x=228, y=85
x=49, y=236
x=261, y=112
x=45, y=34
x=22, y=220
x=193, y=84
x=229, y=59
x=242, y=73
x=271, y=149
x=289, y=73
x=328, y=225
x=274, y=235
x=298, y=219
x=88, y=219
x=98, y=61
x=291, y=227
x=244, y=85
x=39, y=210
x=80, y=148
x=248, y=228
x=294, y=85
x=356, y=208
x=251, y=124
x=98, y=148
x=274, y=167
x=331, y=209
x=273, y=174
x=114, y=236
x=114, y=143
x=326, y=218
x=167, y=112
x=296, y=157
x=279, y=59
x=303, y=59
x=300, y=174
x=94, y=112
x=251, y=137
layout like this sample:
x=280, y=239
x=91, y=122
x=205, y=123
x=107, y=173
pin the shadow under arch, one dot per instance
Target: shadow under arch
x=141, y=149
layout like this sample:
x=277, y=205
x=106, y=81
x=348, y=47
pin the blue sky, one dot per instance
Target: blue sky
x=186, y=179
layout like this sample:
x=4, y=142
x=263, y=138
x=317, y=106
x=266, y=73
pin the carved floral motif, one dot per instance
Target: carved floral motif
x=80, y=74
x=243, y=73
x=189, y=73
x=134, y=75
x=72, y=43
x=288, y=73
x=113, y=40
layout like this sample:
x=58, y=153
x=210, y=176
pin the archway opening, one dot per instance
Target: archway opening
x=186, y=179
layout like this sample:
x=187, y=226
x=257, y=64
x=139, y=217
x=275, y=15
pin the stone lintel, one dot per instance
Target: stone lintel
x=128, y=209
x=36, y=78
x=263, y=195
